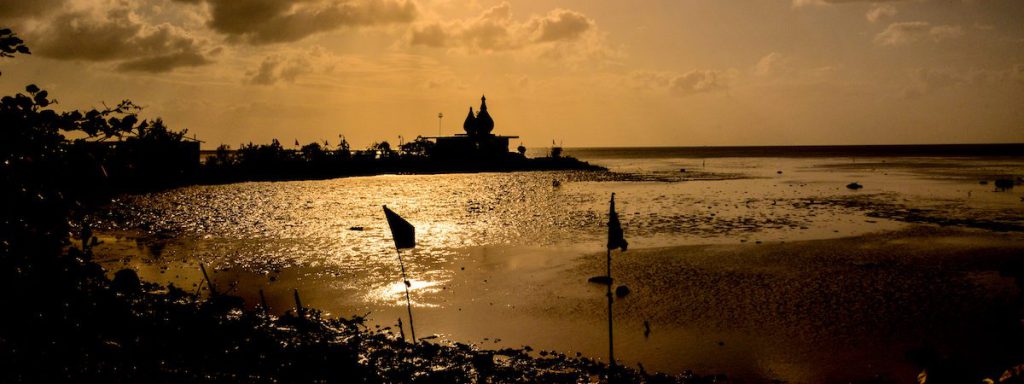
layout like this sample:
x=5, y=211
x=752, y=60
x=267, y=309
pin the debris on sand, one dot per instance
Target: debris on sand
x=854, y=186
x=1004, y=184
x=603, y=280
x=355, y=228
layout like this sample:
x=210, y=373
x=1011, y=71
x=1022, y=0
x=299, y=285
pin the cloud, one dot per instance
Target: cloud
x=560, y=24
x=278, y=21
x=288, y=67
x=923, y=81
x=697, y=81
x=560, y=34
x=803, y=3
x=116, y=35
x=904, y=33
x=684, y=84
x=772, y=63
x=164, y=63
x=879, y=11
x=274, y=69
x=10, y=9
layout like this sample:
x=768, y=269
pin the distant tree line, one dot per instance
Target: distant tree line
x=313, y=160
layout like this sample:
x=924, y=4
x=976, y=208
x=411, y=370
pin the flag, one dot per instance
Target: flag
x=615, y=238
x=403, y=232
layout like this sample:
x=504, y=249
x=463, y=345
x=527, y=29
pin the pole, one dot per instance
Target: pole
x=408, y=302
x=263, y=303
x=611, y=348
x=209, y=283
x=299, y=310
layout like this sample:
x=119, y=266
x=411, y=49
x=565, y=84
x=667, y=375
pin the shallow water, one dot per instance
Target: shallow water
x=506, y=256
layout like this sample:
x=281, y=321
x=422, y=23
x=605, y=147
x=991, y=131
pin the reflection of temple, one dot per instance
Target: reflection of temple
x=477, y=143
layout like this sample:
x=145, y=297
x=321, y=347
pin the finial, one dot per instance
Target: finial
x=483, y=98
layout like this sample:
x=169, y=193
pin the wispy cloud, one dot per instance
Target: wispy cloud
x=878, y=12
x=277, y=21
x=558, y=34
x=905, y=33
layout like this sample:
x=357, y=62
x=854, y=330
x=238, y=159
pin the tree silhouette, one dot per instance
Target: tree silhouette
x=11, y=44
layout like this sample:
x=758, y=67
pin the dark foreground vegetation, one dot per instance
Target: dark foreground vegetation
x=66, y=321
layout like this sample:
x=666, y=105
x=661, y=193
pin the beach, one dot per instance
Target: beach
x=759, y=268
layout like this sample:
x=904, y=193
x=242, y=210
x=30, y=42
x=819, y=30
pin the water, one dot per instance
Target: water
x=506, y=255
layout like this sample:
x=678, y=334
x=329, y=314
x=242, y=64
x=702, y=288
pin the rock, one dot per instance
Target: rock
x=483, y=361
x=126, y=280
x=854, y=186
x=621, y=291
x=355, y=228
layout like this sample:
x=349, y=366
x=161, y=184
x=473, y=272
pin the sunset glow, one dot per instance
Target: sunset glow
x=584, y=73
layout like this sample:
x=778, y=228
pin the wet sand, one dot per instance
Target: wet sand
x=806, y=311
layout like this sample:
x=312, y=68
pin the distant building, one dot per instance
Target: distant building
x=477, y=143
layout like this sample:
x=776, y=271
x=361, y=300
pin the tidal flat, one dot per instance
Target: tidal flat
x=759, y=268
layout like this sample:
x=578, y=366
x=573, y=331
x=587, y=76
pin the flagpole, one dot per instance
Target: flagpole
x=408, y=302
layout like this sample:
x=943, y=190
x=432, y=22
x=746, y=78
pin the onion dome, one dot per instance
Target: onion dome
x=470, y=124
x=484, y=123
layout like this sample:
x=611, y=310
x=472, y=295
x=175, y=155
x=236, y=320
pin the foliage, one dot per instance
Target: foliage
x=381, y=150
x=11, y=44
x=420, y=147
x=556, y=152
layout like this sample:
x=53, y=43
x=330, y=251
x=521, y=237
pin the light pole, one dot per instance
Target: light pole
x=439, y=116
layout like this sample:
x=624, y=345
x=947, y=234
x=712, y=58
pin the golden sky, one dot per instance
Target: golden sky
x=586, y=73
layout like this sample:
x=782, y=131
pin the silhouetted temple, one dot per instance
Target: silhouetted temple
x=477, y=143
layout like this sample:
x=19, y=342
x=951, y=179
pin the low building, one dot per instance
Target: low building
x=478, y=143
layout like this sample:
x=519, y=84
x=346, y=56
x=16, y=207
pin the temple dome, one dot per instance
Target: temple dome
x=484, y=123
x=470, y=124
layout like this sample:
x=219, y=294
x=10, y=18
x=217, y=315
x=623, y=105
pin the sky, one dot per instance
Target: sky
x=583, y=73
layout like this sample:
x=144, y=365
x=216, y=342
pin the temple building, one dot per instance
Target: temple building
x=477, y=143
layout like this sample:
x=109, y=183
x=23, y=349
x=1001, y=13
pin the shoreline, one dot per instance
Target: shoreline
x=981, y=150
x=208, y=174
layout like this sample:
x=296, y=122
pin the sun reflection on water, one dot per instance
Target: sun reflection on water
x=393, y=293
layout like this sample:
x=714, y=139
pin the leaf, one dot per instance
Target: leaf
x=40, y=98
x=32, y=88
x=23, y=49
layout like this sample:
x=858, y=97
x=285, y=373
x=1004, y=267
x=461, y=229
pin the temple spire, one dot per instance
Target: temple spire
x=484, y=123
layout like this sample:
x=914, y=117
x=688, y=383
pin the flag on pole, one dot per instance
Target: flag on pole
x=615, y=237
x=403, y=232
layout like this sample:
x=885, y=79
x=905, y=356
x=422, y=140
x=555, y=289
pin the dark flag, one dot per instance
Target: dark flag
x=403, y=232
x=615, y=237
